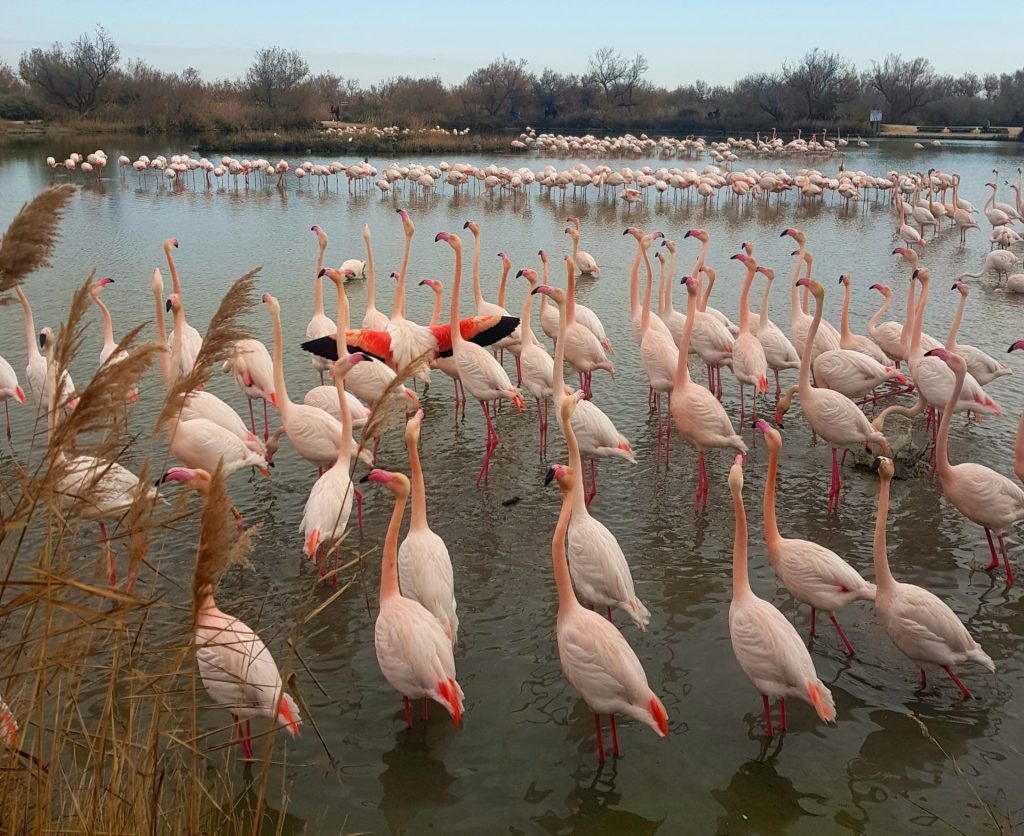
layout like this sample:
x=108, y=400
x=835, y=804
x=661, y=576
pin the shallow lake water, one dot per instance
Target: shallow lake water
x=525, y=760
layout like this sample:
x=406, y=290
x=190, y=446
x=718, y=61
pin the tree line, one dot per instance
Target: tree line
x=88, y=80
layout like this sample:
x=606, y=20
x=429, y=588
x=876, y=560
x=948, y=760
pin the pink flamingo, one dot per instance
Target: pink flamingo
x=749, y=363
x=9, y=388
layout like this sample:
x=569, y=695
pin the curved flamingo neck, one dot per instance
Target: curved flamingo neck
x=389, y=558
x=418, y=518
x=707, y=293
x=31, y=346
x=398, y=305
x=701, y=255
x=796, y=310
x=682, y=377
x=435, y=315
x=566, y=597
x=318, y=282
x=764, y=301
x=745, y=299
x=954, y=329
x=844, y=325
x=740, y=578
x=772, y=538
x=645, y=316
x=505, y=267
x=283, y=401
x=454, y=315
x=880, y=551
x=942, y=465
x=108, y=323
x=478, y=296
x=175, y=282
x=873, y=322
x=525, y=325
x=805, y=359
x=915, y=340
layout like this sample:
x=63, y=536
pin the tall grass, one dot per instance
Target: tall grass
x=109, y=730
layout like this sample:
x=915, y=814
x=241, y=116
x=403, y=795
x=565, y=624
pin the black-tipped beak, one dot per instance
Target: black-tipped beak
x=158, y=482
x=466, y=225
x=366, y=478
x=625, y=232
x=840, y=280
x=270, y=464
x=915, y=274
x=780, y=425
x=953, y=287
x=167, y=305
x=437, y=237
x=753, y=424
x=42, y=340
x=687, y=234
x=519, y=275
x=322, y=273
x=734, y=257
x=535, y=290
x=782, y=234
x=877, y=463
x=549, y=476
x=894, y=252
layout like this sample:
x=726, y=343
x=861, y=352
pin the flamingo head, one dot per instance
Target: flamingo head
x=767, y=272
x=45, y=337
x=170, y=242
x=736, y=475
x=318, y=230
x=473, y=227
x=158, y=282
x=560, y=473
x=397, y=483
x=412, y=428
x=700, y=234
x=195, y=478
x=406, y=221
x=543, y=256
x=690, y=282
x=884, y=467
x=795, y=234
x=572, y=219
x=396, y=275
x=1017, y=346
x=529, y=274
x=782, y=407
x=505, y=260
x=771, y=435
x=173, y=302
x=668, y=245
x=945, y=356
x=844, y=279
x=922, y=275
x=433, y=284
x=272, y=303
x=964, y=289
x=744, y=259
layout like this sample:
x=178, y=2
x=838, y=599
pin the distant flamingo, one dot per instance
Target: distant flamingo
x=767, y=646
x=424, y=565
x=698, y=414
x=320, y=325
x=596, y=659
x=985, y=497
x=479, y=372
x=920, y=624
x=832, y=415
x=413, y=651
x=812, y=574
x=585, y=262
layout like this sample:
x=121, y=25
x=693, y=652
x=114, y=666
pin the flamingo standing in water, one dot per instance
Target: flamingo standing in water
x=779, y=352
x=985, y=497
x=698, y=414
x=674, y=320
x=536, y=364
x=234, y=664
x=413, y=651
x=1018, y=447
x=190, y=339
x=920, y=624
x=479, y=372
x=849, y=341
x=109, y=352
x=9, y=388
x=596, y=659
x=826, y=338
x=446, y=364
x=749, y=363
x=252, y=368
x=373, y=318
x=424, y=565
x=767, y=646
x=659, y=357
x=832, y=415
x=585, y=262
x=409, y=340
x=812, y=574
x=35, y=369
x=982, y=367
x=582, y=348
x=320, y=325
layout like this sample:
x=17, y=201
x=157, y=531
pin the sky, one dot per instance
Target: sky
x=372, y=41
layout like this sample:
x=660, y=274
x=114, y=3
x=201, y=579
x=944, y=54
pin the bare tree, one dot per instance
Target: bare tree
x=991, y=85
x=905, y=85
x=768, y=90
x=822, y=81
x=617, y=76
x=76, y=78
x=274, y=73
x=500, y=87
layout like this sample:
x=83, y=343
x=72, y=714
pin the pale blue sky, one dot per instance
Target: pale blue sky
x=371, y=41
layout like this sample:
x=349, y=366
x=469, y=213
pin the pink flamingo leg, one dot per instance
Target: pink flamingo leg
x=609, y=613
x=408, y=712
x=668, y=429
x=600, y=742
x=767, y=716
x=426, y=712
x=593, y=482
x=743, y=406
x=7, y=413
x=1006, y=560
x=266, y=423
x=615, y=736
x=834, y=488
x=924, y=678
x=782, y=713
x=842, y=635
x=992, y=548
x=492, y=444
x=252, y=418
x=963, y=688
x=778, y=386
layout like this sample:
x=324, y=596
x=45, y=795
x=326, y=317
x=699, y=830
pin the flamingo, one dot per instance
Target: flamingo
x=961, y=216
x=597, y=436
x=479, y=372
x=234, y=664
x=768, y=648
x=424, y=565
x=107, y=353
x=585, y=262
x=413, y=651
x=779, y=352
x=596, y=660
x=643, y=242
x=850, y=341
x=905, y=231
x=252, y=368
x=372, y=319
x=408, y=339
x=983, y=496
x=446, y=364
x=813, y=574
x=698, y=414
x=320, y=325
x=674, y=320
x=832, y=415
x=983, y=367
x=582, y=349
x=705, y=239
x=920, y=624
x=1018, y=448
x=35, y=369
x=9, y=388
x=749, y=363
x=995, y=215
x=826, y=338
x=536, y=364
x=190, y=340
x=710, y=340
x=658, y=356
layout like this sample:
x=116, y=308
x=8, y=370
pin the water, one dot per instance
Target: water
x=525, y=760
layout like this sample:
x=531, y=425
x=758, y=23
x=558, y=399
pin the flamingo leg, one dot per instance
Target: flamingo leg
x=615, y=736
x=252, y=418
x=842, y=635
x=767, y=716
x=743, y=405
x=668, y=428
x=408, y=712
x=266, y=423
x=956, y=681
x=600, y=742
x=609, y=613
x=778, y=386
x=321, y=377
x=834, y=488
x=782, y=713
x=1006, y=559
x=492, y=444
x=814, y=621
x=426, y=712
x=924, y=678
x=593, y=482
x=992, y=548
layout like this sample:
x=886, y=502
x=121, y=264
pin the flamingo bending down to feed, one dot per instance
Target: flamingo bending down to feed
x=320, y=325
x=767, y=647
x=920, y=624
x=698, y=414
x=424, y=565
x=985, y=497
x=9, y=388
x=234, y=664
x=832, y=415
x=479, y=372
x=812, y=574
x=413, y=651
x=596, y=659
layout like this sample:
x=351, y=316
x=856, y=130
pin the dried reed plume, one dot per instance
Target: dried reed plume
x=31, y=236
x=388, y=409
